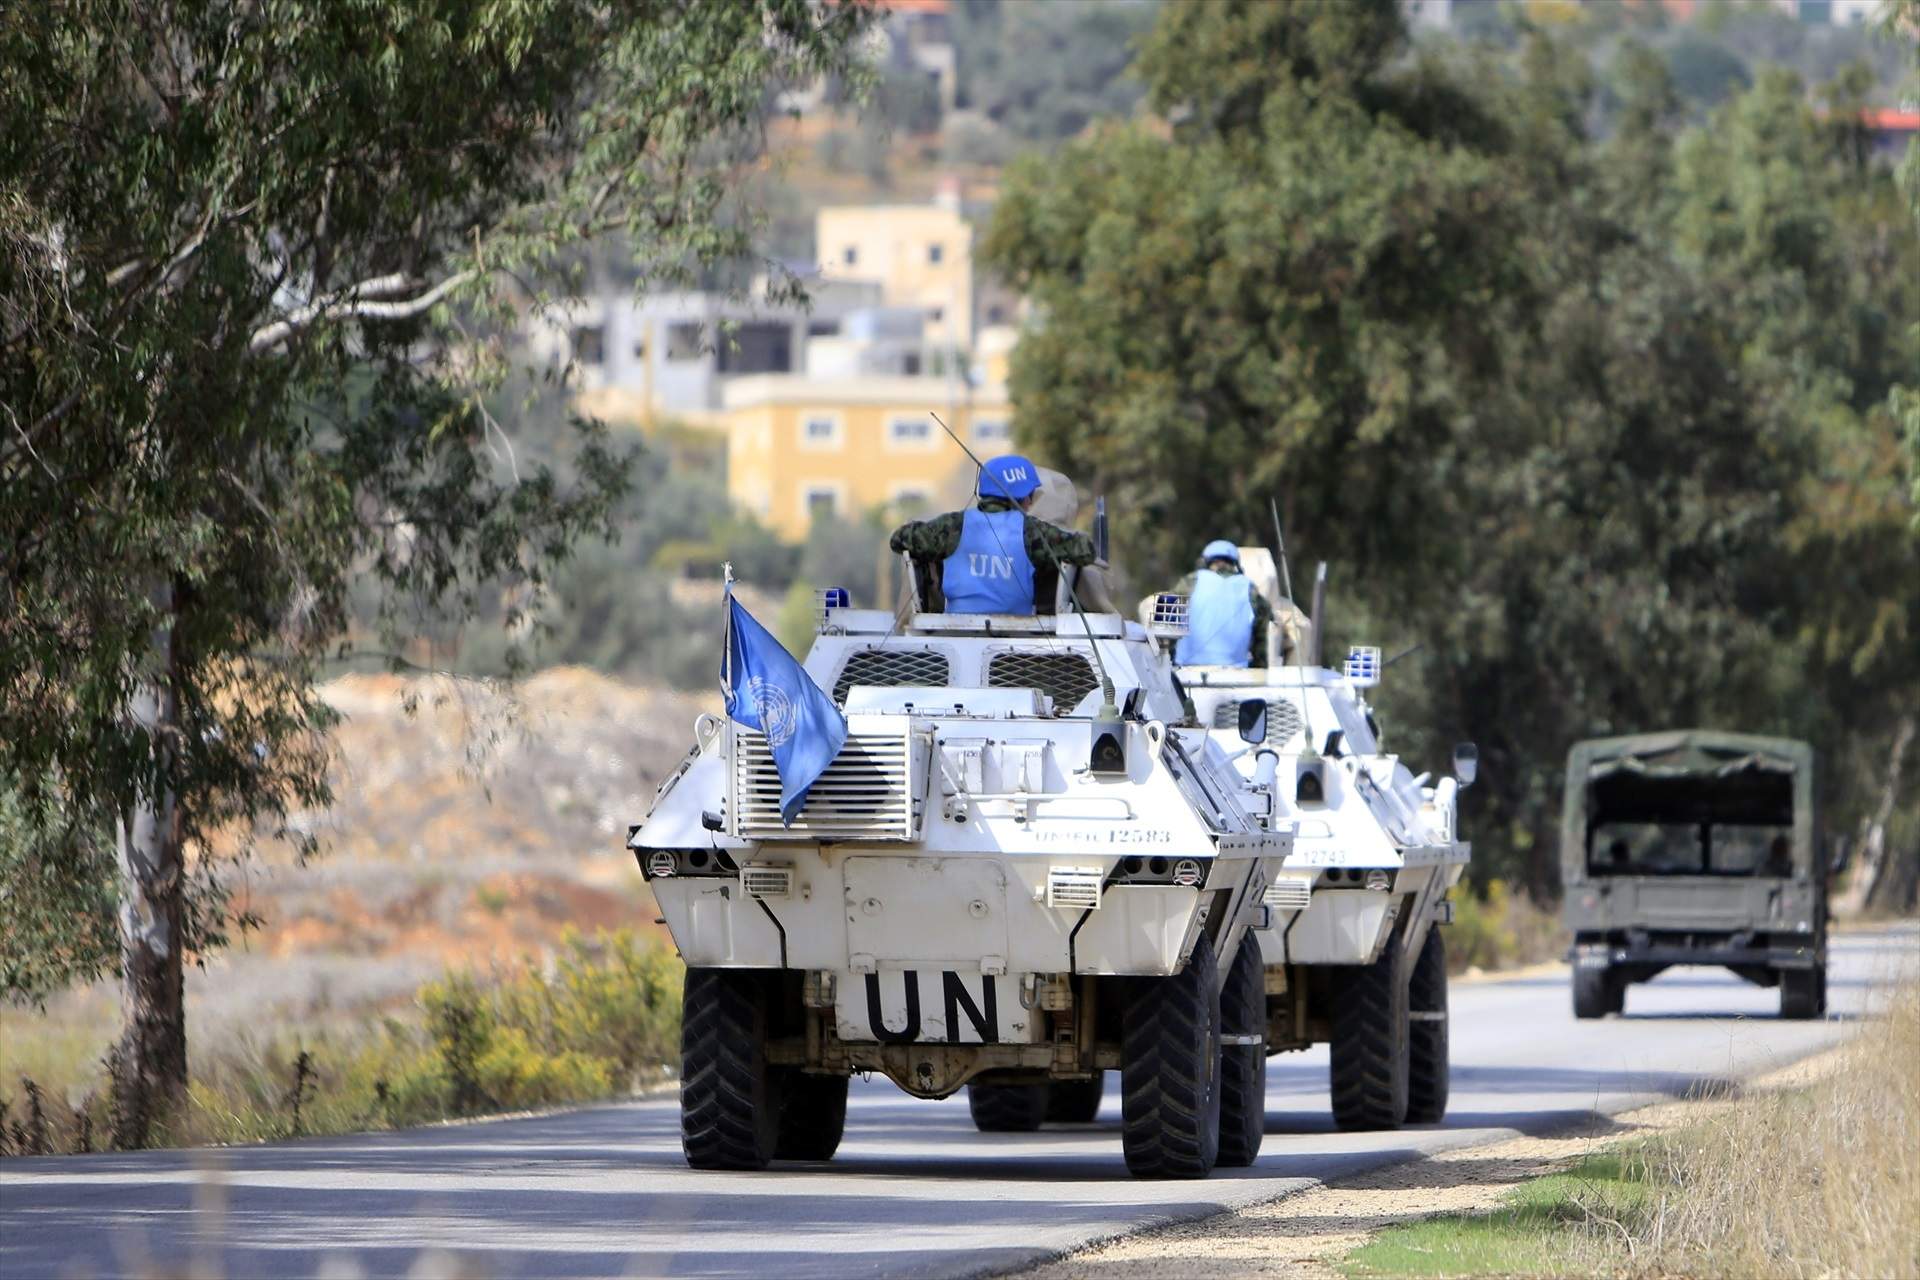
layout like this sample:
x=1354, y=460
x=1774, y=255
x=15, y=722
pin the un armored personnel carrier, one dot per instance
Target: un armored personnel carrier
x=1010, y=878
x=1694, y=847
x=1351, y=955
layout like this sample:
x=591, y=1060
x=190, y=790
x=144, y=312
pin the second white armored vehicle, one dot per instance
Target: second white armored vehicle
x=1352, y=958
x=1009, y=878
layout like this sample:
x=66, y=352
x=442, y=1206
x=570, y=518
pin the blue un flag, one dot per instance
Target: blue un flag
x=767, y=690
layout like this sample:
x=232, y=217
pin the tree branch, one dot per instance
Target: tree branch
x=363, y=301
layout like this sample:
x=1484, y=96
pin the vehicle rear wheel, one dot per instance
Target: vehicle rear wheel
x=813, y=1116
x=1803, y=992
x=1007, y=1108
x=1428, y=1069
x=1243, y=1067
x=1597, y=992
x=1368, y=1057
x=1075, y=1101
x=1170, y=1071
x=729, y=1106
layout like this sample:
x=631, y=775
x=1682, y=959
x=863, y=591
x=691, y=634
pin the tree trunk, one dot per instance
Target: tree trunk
x=1893, y=874
x=150, y=1061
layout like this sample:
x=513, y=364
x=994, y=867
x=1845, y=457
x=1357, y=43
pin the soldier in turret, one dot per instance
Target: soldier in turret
x=1226, y=615
x=996, y=556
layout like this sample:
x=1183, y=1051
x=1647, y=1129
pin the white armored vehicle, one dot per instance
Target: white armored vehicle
x=1009, y=878
x=1351, y=953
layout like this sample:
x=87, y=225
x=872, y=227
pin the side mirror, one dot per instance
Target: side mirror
x=1253, y=720
x=1466, y=763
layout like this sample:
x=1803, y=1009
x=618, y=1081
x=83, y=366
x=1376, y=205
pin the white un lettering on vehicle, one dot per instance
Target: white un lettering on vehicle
x=986, y=566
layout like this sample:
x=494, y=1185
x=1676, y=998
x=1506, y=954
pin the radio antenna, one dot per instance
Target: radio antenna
x=1109, y=710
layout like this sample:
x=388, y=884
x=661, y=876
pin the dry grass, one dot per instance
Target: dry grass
x=1819, y=1181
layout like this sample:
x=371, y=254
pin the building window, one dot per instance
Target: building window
x=910, y=500
x=823, y=502
x=589, y=344
x=936, y=314
x=914, y=431
x=992, y=431
x=850, y=255
x=996, y=313
x=910, y=364
x=684, y=340
x=936, y=253
x=820, y=431
x=823, y=328
x=639, y=348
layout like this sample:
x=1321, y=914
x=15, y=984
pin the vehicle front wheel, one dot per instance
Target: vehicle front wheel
x=1429, y=1073
x=813, y=1116
x=1075, y=1101
x=1243, y=1057
x=1803, y=992
x=1368, y=1057
x=1170, y=1071
x=1597, y=991
x=729, y=1106
x=1007, y=1108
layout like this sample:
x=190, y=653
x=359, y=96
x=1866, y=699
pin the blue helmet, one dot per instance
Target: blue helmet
x=1008, y=476
x=1219, y=549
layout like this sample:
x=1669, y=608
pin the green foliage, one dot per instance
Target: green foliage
x=1499, y=927
x=1044, y=72
x=57, y=899
x=254, y=267
x=1548, y=1226
x=1600, y=419
x=601, y=1018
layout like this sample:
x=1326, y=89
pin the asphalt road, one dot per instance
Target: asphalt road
x=914, y=1190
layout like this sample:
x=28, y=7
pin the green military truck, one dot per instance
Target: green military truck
x=1694, y=847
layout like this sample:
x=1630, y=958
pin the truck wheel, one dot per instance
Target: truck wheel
x=1368, y=1057
x=1075, y=1101
x=1170, y=1071
x=1597, y=992
x=1428, y=1069
x=729, y=1107
x=813, y=1115
x=1803, y=992
x=1007, y=1108
x=1243, y=1067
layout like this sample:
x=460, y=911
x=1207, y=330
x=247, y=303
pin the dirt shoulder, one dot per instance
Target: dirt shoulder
x=1304, y=1234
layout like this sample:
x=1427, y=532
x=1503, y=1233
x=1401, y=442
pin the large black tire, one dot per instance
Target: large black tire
x=1597, y=992
x=1075, y=1101
x=813, y=1116
x=1007, y=1108
x=1803, y=993
x=1243, y=1067
x=1170, y=1071
x=1429, y=1074
x=729, y=1102
x=1368, y=1057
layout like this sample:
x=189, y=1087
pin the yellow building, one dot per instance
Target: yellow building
x=800, y=447
x=921, y=255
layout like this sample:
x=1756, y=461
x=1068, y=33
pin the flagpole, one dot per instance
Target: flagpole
x=726, y=631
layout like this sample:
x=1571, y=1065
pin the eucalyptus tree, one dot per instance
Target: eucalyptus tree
x=256, y=259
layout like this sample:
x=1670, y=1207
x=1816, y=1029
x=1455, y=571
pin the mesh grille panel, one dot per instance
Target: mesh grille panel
x=1064, y=677
x=1283, y=719
x=891, y=668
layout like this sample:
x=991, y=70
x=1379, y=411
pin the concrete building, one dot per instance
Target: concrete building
x=920, y=256
x=801, y=447
x=670, y=354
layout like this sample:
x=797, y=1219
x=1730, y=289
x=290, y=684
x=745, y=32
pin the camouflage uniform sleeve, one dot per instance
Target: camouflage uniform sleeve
x=1184, y=587
x=1262, y=619
x=1050, y=544
x=934, y=539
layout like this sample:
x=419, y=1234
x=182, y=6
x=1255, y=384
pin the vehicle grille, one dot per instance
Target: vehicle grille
x=1064, y=677
x=1073, y=888
x=865, y=794
x=1283, y=719
x=891, y=668
x=767, y=882
x=1289, y=893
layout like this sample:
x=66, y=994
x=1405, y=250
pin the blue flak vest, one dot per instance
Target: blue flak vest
x=989, y=571
x=1219, y=622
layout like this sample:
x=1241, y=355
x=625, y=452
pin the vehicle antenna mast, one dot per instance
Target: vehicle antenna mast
x=1109, y=710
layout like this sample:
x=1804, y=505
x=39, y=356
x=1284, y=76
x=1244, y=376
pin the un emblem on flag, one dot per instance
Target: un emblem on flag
x=774, y=709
